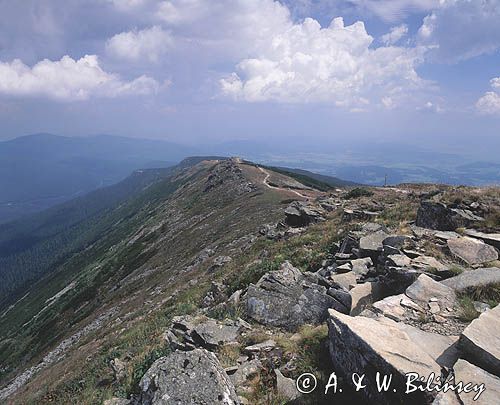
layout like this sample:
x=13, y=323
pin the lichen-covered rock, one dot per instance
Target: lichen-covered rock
x=287, y=298
x=193, y=377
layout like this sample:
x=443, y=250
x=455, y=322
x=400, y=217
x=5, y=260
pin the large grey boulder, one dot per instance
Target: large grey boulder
x=468, y=373
x=367, y=346
x=193, y=377
x=434, y=215
x=472, y=251
x=287, y=298
x=480, y=341
x=474, y=279
x=300, y=214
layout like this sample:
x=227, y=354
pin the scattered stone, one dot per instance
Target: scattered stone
x=344, y=268
x=286, y=387
x=193, y=377
x=361, y=267
x=391, y=308
x=468, y=373
x=285, y=298
x=188, y=332
x=265, y=346
x=346, y=280
x=398, y=260
x=480, y=341
x=429, y=263
x=341, y=295
x=472, y=251
x=474, y=279
x=371, y=227
x=119, y=369
x=425, y=288
x=397, y=241
x=363, y=295
x=242, y=374
x=481, y=307
x=372, y=245
x=446, y=235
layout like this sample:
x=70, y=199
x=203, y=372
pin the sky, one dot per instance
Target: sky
x=198, y=71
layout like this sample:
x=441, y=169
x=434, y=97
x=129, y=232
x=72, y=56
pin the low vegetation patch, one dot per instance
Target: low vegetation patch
x=358, y=192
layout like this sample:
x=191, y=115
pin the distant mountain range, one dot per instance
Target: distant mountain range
x=43, y=170
x=39, y=171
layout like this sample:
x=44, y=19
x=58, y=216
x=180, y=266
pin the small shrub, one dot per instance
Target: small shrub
x=467, y=311
x=358, y=192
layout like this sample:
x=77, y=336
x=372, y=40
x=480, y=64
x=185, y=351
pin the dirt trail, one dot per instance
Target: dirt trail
x=265, y=182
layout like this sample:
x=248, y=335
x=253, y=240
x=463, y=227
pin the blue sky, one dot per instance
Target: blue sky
x=209, y=70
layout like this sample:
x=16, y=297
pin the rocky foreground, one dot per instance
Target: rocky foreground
x=418, y=304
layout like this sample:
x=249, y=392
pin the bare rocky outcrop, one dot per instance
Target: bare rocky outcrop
x=435, y=215
x=287, y=298
x=299, y=214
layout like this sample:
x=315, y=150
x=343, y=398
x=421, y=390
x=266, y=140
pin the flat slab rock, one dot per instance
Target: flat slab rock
x=480, y=341
x=473, y=279
x=472, y=251
x=365, y=345
x=425, y=289
x=289, y=299
x=373, y=242
x=468, y=373
x=193, y=377
x=492, y=239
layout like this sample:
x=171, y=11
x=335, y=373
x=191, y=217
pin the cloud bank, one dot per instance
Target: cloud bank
x=69, y=79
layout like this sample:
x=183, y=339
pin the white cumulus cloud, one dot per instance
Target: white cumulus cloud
x=69, y=79
x=395, y=34
x=308, y=63
x=489, y=103
x=148, y=44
